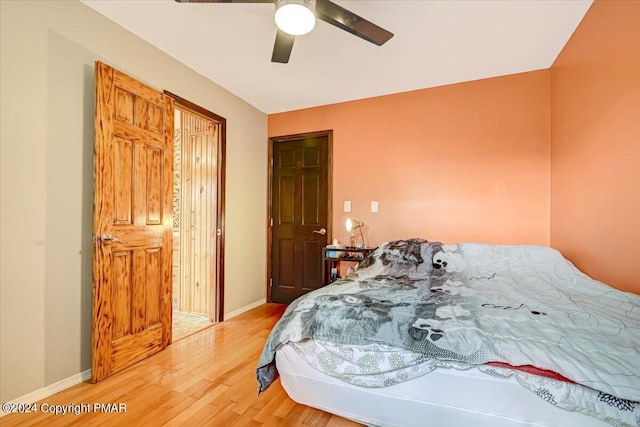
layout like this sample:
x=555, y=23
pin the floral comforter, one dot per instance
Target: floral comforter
x=470, y=304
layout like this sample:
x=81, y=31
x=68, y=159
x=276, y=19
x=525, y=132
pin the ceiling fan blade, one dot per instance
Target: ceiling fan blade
x=224, y=1
x=282, y=47
x=349, y=21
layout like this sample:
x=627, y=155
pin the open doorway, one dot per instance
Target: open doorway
x=198, y=214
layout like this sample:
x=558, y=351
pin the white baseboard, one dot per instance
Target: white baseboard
x=241, y=310
x=52, y=389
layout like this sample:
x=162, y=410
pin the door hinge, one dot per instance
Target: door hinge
x=272, y=222
x=270, y=282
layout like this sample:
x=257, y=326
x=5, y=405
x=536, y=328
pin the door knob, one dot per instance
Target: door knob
x=108, y=239
x=321, y=231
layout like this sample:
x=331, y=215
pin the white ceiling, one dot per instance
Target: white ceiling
x=435, y=43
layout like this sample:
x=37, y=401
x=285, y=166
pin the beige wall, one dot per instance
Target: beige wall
x=595, y=145
x=47, y=54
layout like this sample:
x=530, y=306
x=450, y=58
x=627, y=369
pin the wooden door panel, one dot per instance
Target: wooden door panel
x=311, y=193
x=286, y=159
x=124, y=105
x=287, y=200
x=311, y=157
x=139, y=189
x=130, y=349
x=121, y=290
x=286, y=255
x=152, y=303
x=123, y=173
x=132, y=269
x=138, y=293
x=313, y=272
x=150, y=117
x=155, y=174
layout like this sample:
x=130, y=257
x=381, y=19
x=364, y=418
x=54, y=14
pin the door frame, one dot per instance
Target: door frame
x=216, y=306
x=288, y=138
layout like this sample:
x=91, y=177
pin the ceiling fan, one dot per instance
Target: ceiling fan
x=298, y=17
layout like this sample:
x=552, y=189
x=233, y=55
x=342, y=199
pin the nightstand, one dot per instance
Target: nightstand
x=334, y=256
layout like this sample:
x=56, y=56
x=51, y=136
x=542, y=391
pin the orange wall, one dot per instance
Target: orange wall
x=595, y=145
x=465, y=162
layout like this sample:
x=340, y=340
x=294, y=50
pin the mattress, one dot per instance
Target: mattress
x=443, y=398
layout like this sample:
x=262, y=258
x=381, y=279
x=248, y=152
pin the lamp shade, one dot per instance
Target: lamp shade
x=353, y=224
x=295, y=17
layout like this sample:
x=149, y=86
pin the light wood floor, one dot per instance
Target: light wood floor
x=205, y=379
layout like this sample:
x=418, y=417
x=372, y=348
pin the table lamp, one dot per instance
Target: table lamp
x=352, y=224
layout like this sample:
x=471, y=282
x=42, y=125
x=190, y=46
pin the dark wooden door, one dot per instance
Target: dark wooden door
x=300, y=212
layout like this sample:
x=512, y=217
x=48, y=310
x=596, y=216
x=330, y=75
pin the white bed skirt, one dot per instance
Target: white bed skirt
x=443, y=398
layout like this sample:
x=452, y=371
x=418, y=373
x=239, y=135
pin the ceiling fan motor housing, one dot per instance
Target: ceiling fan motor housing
x=295, y=17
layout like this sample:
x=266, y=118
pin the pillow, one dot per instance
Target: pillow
x=400, y=257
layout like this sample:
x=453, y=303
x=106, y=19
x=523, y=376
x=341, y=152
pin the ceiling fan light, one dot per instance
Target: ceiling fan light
x=295, y=17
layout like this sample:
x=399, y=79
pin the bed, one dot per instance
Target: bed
x=457, y=335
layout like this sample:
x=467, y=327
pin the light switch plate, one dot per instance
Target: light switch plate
x=374, y=206
x=347, y=205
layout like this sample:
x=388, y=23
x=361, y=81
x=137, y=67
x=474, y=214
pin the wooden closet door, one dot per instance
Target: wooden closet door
x=300, y=213
x=132, y=222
